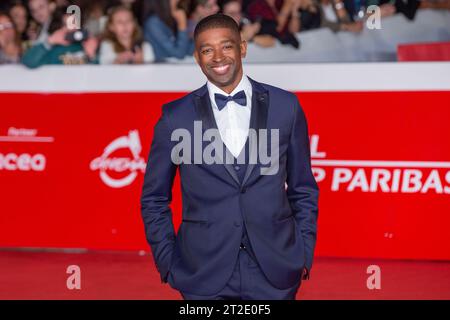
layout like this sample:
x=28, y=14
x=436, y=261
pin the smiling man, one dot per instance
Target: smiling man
x=244, y=234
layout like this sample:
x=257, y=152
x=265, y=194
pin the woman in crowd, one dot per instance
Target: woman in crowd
x=166, y=30
x=123, y=43
x=19, y=13
x=41, y=12
x=10, y=43
x=136, y=6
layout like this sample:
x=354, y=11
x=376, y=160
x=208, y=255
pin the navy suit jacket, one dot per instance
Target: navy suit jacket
x=281, y=223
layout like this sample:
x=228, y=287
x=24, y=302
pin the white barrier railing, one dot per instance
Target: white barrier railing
x=427, y=76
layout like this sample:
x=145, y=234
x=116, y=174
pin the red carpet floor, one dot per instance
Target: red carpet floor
x=118, y=275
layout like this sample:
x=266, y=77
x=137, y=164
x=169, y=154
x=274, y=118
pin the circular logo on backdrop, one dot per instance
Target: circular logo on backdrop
x=121, y=161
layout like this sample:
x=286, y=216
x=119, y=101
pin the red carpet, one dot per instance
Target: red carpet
x=119, y=275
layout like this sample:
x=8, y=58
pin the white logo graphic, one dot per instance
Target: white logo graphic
x=386, y=176
x=23, y=161
x=107, y=164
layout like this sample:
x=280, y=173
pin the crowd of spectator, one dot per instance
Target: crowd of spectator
x=38, y=32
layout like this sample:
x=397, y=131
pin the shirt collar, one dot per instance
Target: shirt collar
x=244, y=84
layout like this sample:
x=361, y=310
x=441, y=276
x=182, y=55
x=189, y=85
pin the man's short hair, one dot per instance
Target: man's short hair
x=215, y=21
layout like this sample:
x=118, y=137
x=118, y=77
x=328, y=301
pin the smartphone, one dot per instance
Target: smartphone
x=77, y=36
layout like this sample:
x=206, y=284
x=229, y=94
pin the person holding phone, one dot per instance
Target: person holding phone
x=63, y=46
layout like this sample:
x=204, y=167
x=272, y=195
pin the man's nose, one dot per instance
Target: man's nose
x=218, y=55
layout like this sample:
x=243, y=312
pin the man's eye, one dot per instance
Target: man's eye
x=206, y=51
x=228, y=46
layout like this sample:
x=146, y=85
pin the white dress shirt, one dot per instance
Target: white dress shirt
x=233, y=121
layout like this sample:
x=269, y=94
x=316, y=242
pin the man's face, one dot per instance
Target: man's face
x=40, y=10
x=219, y=53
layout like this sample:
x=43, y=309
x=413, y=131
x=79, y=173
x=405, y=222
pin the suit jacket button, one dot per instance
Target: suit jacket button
x=237, y=224
x=243, y=190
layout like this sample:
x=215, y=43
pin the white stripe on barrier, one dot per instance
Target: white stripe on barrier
x=428, y=76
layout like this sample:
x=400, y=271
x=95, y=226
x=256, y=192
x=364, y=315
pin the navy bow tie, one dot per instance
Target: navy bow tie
x=239, y=98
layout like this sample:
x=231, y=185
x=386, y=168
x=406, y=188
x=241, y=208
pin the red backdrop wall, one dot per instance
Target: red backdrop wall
x=382, y=160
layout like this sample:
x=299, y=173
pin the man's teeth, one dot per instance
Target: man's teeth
x=221, y=68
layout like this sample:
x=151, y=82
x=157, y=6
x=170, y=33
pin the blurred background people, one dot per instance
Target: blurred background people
x=123, y=41
x=166, y=30
x=249, y=30
x=64, y=3
x=94, y=16
x=62, y=46
x=435, y=4
x=41, y=12
x=19, y=13
x=199, y=9
x=136, y=6
x=334, y=15
x=278, y=18
x=167, y=25
x=358, y=8
x=10, y=42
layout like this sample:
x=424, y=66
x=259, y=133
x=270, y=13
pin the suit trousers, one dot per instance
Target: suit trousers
x=247, y=282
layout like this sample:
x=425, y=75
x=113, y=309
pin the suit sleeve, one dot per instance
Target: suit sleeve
x=157, y=195
x=302, y=191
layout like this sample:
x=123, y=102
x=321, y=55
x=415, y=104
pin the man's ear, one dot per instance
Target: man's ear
x=196, y=56
x=243, y=48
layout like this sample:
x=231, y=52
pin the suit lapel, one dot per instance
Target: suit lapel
x=258, y=120
x=204, y=110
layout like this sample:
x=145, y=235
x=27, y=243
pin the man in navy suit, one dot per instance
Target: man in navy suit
x=247, y=231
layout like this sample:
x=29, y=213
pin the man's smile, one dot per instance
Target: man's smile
x=221, y=69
